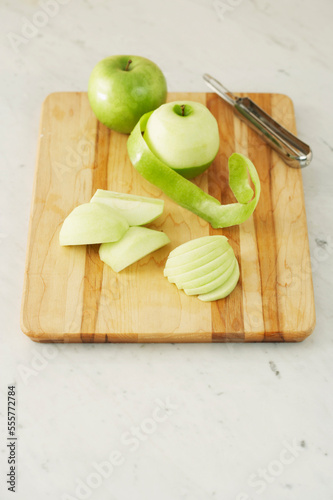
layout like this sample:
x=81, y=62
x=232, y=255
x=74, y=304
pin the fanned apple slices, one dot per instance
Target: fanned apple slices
x=206, y=267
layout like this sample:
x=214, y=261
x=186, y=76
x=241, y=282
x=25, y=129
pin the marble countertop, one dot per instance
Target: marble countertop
x=231, y=422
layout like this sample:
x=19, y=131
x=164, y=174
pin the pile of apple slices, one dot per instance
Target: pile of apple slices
x=206, y=267
x=114, y=220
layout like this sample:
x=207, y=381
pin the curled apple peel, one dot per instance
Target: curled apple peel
x=190, y=196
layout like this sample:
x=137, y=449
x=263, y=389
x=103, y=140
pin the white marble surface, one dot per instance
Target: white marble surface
x=233, y=410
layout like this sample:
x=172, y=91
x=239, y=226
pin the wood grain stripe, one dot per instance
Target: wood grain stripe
x=295, y=288
x=260, y=153
x=93, y=276
x=251, y=280
x=227, y=314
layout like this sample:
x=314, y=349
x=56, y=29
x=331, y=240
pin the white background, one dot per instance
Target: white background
x=233, y=410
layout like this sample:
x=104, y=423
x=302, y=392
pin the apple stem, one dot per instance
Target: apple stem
x=182, y=107
x=127, y=65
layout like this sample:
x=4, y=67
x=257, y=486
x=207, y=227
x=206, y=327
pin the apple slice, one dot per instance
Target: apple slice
x=203, y=275
x=197, y=243
x=135, y=244
x=173, y=271
x=194, y=254
x=137, y=210
x=197, y=271
x=92, y=223
x=208, y=287
x=224, y=290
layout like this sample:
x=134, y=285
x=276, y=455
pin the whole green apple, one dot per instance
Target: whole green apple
x=184, y=135
x=123, y=88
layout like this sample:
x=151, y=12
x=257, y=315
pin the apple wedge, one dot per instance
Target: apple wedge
x=137, y=210
x=92, y=223
x=135, y=244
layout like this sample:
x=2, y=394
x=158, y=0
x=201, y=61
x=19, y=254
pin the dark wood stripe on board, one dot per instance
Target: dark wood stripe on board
x=260, y=154
x=227, y=314
x=93, y=277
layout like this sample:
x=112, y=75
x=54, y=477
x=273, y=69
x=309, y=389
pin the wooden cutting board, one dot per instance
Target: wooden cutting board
x=71, y=296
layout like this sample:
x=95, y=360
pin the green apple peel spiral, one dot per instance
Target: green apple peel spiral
x=190, y=196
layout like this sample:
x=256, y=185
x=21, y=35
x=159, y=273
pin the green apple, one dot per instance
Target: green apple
x=184, y=135
x=122, y=88
x=92, y=223
x=189, y=195
x=135, y=244
x=137, y=210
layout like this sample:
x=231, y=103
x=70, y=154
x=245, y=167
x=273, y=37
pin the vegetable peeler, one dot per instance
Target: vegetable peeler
x=292, y=150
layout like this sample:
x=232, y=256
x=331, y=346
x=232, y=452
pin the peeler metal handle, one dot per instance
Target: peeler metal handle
x=294, y=152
